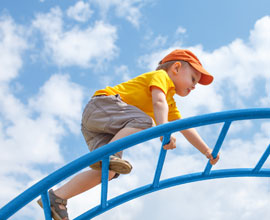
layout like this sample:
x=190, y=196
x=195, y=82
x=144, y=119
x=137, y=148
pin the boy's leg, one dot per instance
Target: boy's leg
x=125, y=132
x=80, y=183
x=89, y=179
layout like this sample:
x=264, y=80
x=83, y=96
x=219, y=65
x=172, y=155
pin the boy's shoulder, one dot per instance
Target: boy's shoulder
x=157, y=78
x=150, y=78
x=155, y=73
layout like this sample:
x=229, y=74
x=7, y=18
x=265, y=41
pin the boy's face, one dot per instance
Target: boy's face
x=185, y=78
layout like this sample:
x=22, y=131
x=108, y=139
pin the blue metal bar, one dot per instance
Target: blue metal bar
x=46, y=205
x=262, y=160
x=104, y=181
x=171, y=182
x=33, y=192
x=161, y=159
x=217, y=147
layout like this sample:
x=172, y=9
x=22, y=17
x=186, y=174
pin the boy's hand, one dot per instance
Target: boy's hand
x=208, y=154
x=171, y=145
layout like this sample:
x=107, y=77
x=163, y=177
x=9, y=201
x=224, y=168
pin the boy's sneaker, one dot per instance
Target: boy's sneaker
x=116, y=164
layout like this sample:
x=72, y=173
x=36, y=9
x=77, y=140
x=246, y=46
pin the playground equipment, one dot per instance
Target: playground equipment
x=226, y=117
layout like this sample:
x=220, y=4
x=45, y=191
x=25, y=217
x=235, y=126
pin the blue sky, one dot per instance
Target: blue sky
x=55, y=54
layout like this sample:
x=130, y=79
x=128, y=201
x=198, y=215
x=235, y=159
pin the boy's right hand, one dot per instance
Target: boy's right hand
x=208, y=154
x=171, y=145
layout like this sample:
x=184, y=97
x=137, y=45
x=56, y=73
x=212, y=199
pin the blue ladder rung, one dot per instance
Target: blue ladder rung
x=104, y=181
x=46, y=205
x=161, y=159
x=218, y=145
x=262, y=159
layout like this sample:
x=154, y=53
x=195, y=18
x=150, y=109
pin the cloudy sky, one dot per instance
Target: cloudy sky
x=55, y=54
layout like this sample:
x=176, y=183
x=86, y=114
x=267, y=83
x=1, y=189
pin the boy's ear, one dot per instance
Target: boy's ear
x=176, y=67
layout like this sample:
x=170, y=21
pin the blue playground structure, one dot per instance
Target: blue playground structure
x=226, y=117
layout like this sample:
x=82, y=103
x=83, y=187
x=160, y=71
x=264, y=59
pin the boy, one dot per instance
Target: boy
x=140, y=103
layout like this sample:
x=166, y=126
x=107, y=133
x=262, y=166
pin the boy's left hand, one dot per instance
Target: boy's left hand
x=171, y=145
x=208, y=154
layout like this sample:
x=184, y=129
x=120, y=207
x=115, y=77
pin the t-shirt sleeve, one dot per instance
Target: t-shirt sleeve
x=161, y=80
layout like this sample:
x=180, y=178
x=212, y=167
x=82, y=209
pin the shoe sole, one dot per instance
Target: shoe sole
x=115, y=165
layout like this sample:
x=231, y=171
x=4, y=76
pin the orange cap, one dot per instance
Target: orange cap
x=189, y=57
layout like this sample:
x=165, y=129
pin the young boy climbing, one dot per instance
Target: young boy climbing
x=140, y=103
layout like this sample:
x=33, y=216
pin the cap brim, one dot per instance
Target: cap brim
x=206, y=78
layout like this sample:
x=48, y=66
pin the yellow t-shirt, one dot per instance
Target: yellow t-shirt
x=137, y=92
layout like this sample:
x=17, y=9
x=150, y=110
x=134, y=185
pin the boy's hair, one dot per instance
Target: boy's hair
x=166, y=66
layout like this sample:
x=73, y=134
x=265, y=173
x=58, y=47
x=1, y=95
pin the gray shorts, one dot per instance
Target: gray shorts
x=104, y=116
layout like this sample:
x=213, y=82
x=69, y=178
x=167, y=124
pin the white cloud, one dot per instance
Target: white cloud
x=12, y=45
x=180, y=30
x=265, y=101
x=244, y=197
x=152, y=41
x=89, y=47
x=128, y=9
x=18, y=130
x=151, y=61
x=80, y=11
x=159, y=41
x=241, y=64
x=61, y=98
x=123, y=73
x=201, y=100
x=30, y=135
x=260, y=35
x=238, y=68
x=34, y=131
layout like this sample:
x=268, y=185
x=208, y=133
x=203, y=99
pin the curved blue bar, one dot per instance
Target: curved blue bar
x=171, y=182
x=145, y=135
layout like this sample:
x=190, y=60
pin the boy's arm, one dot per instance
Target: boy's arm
x=194, y=138
x=160, y=105
x=161, y=110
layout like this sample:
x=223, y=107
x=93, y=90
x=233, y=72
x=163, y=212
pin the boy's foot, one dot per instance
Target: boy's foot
x=116, y=164
x=58, y=206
